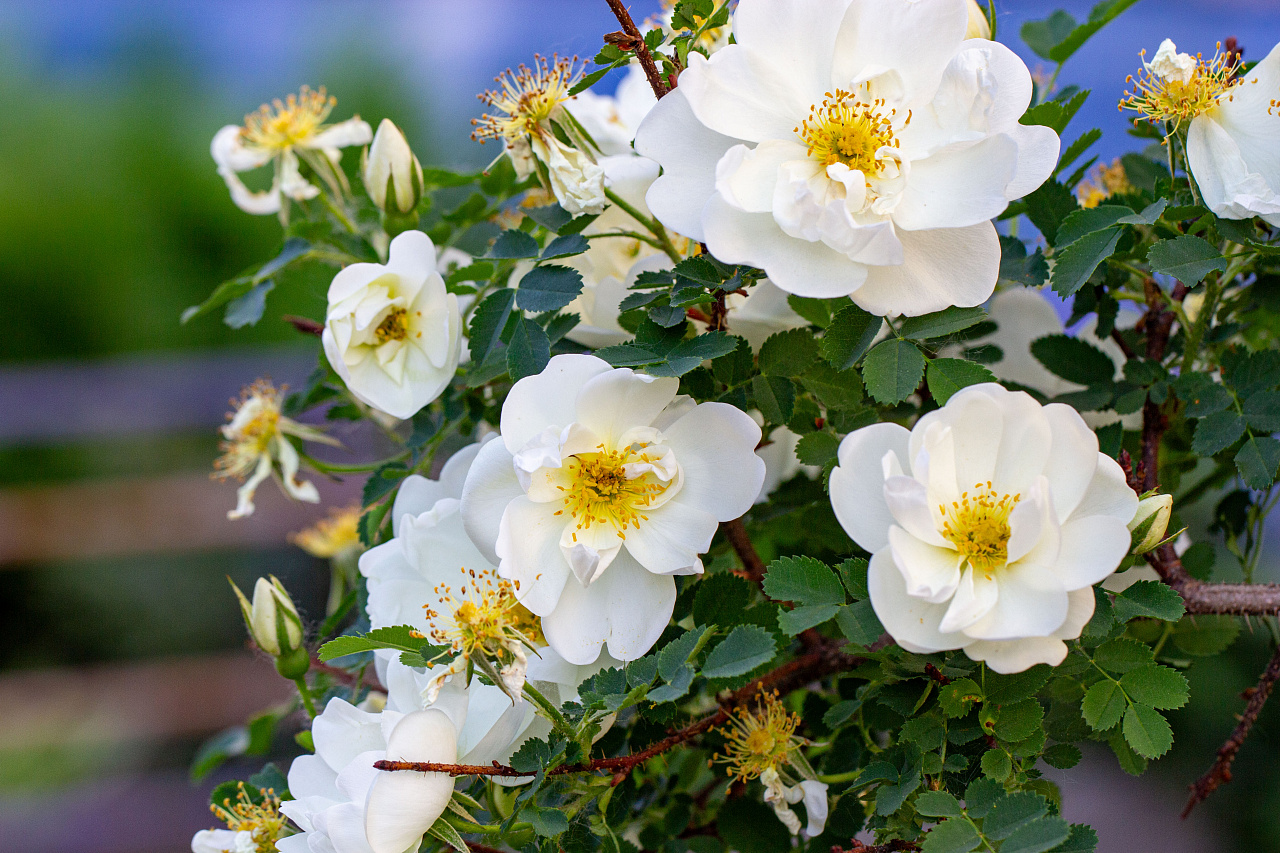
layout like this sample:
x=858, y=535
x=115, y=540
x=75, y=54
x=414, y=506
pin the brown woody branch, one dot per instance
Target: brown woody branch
x=894, y=846
x=304, y=324
x=1225, y=598
x=639, y=48
x=753, y=567
x=1220, y=772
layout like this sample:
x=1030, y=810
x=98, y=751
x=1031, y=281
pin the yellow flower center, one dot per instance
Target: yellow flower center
x=1161, y=100
x=283, y=124
x=526, y=99
x=258, y=815
x=482, y=615
x=978, y=525
x=394, y=327
x=760, y=738
x=844, y=129
x=331, y=536
x=600, y=490
x=251, y=428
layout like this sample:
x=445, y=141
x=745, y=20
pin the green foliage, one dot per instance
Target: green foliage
x=893, y=371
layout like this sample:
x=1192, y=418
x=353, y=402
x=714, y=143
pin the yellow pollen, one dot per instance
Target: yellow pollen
x=244, y=442
x=482, y=615
x=395, y=327
x=1101, y=183
x=978, y=525
x=283, y=124
x=258, y=815
x=760, y=738
x=600, y=491
x=1161, y=101
x=526, y=99
x=845, y=129
x=333, y=535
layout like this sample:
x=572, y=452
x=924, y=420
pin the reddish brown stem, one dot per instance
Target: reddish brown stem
x=304, y=324
x=639, y=48
x=1220, y=772
x=1239, y=599
x=753, y=567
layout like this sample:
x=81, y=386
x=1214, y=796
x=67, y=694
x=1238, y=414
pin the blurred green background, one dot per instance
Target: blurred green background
x=121, y=648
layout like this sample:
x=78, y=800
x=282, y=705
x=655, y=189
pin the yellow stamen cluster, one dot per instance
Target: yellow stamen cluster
x=760, y=738
x=978, y=525
x=526, y=99
x=262, y=818
x=283, y=124
x=482, y=616
x=845, y=129
x=599, y=490
x=1101, y=183
x=1163, y=101
x=245, y=441
x=394, y=327
x=331, y=536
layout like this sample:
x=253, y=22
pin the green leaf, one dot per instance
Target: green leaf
x=1203, y=636
x=1056, y=114
x=817, y=448
x=1123, y=654
x=1073, y=359
x=513, y=244
x=945, y=322
x=1187, y=258
x=1076, y=262
x=1019, y=720
x=1257, y=461
x=547, y=822
x=1157, y=686
x=397, y=637
x=853, y=573
x=548, y=288
x=734, y=367
x=529, y=349
x=893, y=370
x=1038, y=836
x=1216, y=433
x=746, y=648
x=802, y=580
x=226, y=744
x=565, y=246
x=859, y=623
x=889, y=798
x=981, y=796
x=1082, y=840
x=247, y=310
x=1088, y=220
x=689, y=354
x=938, y=804
x=444, y=831
x=1062, y=756
x=1147, y=731
x=951, y=836
x=676, y=654
x=1050, y=204
x=792, y=622
x=1043, y=36
x=1004, y=689
x=1152, y=599
x=1101, y=14
x=788, y=353
x=1206, y=400
x=487, y=323
x=1262, y=410
x=996, y=764
x=958, y=697
x=817, y=311
x=1103, y=705
x=834, y=389
x=946, y=376
x=721, y=599
x=1130, y=761
x=849, y=336
x=775, y=396
x=1012, y=813
x=293, y=250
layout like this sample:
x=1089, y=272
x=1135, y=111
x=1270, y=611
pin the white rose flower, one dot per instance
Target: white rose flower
x=1023, y=315
x=1233, y=148
x=605, y=484
x=851, y=147
x=285, y=133
x=392, y=332
x=988, y=524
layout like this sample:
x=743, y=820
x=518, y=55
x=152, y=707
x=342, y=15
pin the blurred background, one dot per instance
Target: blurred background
x=121, y=648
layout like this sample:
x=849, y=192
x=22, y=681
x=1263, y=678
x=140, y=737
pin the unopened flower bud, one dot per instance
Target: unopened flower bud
x=272, y=619
x=392, y=174
x=1150, y=522
x=979, y=28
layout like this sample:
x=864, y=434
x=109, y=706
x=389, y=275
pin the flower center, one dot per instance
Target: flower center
x=978, y=525
x=526, y=99
x=844, y=129
x=258, y=815
x=482, y=615
x=1162, y=99
x=615, y=487
x=394, y=327
x=760, y=738
x=254, y=423
x=282, y=125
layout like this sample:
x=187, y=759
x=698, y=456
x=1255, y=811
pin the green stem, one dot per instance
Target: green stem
x=653, y=225
x=839, y=778
x=339, y=214
x=305, y=693
x=1195, y=334
x=480, y=829
x=353, y=468
x=551, y=711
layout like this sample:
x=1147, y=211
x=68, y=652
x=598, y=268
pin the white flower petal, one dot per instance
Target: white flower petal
x=912, y=622
x=311, y=776
x=857, y=483
x=547, y=399
x=738, y=92
x=941, y=267
x=1032, y=602
x=353, y=131
x=343, y=731
x=1107, y=494
x=491, y=484
x=344, y=827
x=816, y=806
x=669, y=541
x=913, y=507
x=230, y=152
x=931, y=573
x=1068, y=469
x=975, y=596
x=1007, y=657
x=958, y=187
x=402, y=805
x=714, y=444
x=1092, y=548
x=611, y=403
x=915, y=38
x=528, y=546
x=746, y=177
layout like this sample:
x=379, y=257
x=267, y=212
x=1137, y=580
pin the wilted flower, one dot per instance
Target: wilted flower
x=392, y=331
x=255, y=446
x=254, y=824
x=285, y=133
x=988, y=523
x=603, y=485
x=1174, y=88
x=851, y=148
x=392, y=174
x=529, y=111
x=332, y=537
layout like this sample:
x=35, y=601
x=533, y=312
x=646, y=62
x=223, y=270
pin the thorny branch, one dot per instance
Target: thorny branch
x=639, y=48
x=1220, y=772
x=753, y=567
